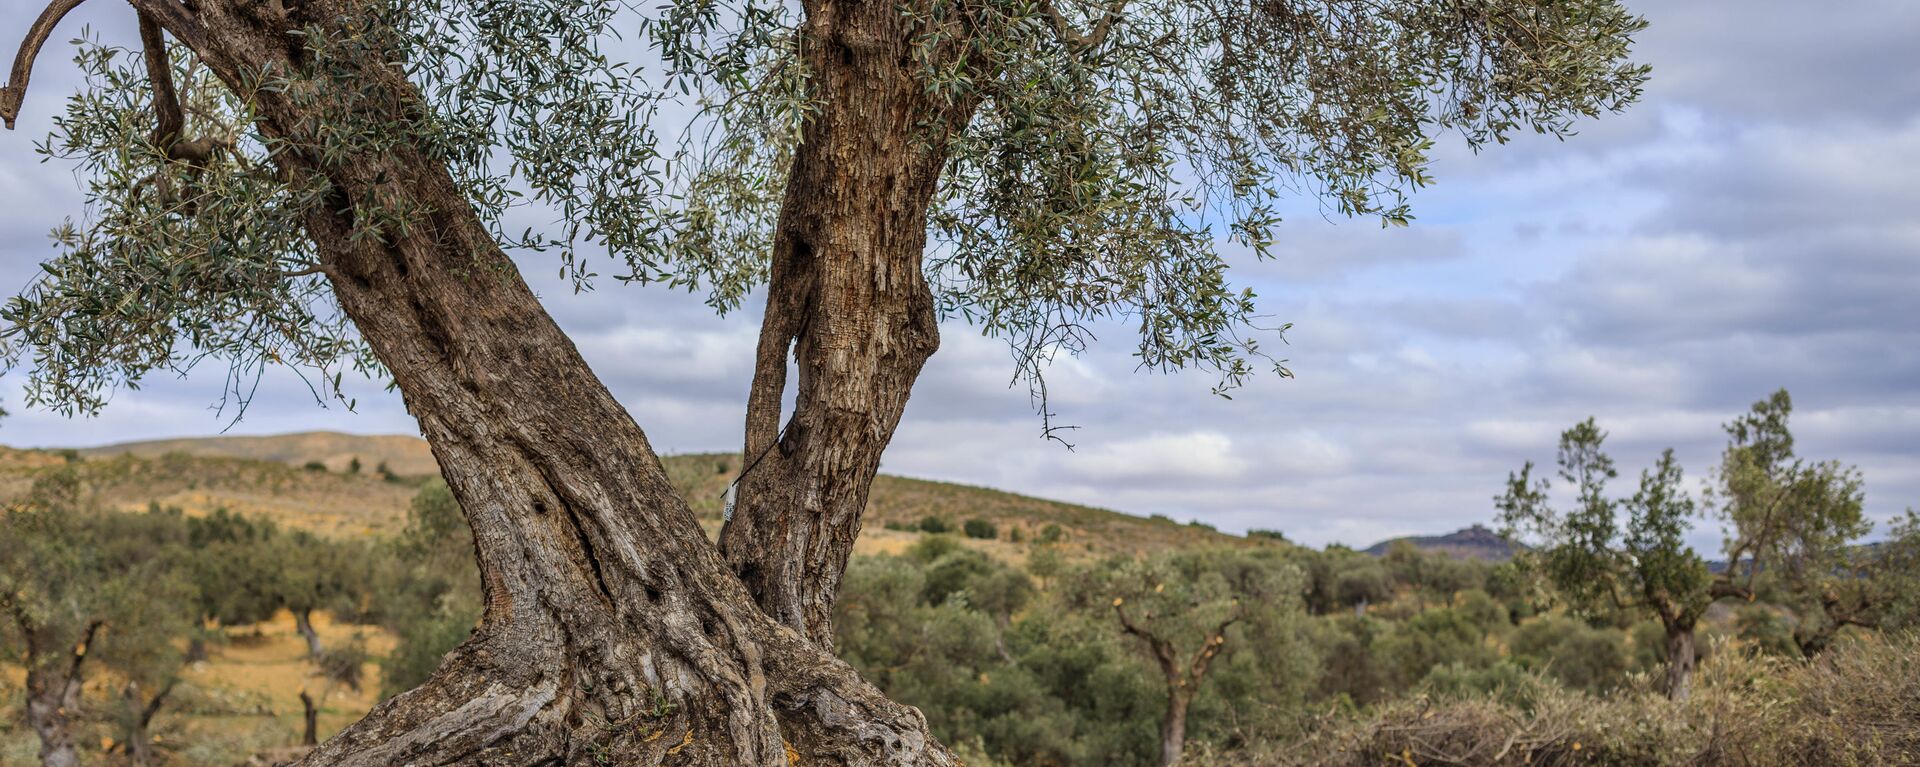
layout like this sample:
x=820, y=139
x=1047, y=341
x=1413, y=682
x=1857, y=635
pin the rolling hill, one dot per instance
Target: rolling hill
x=272, y=476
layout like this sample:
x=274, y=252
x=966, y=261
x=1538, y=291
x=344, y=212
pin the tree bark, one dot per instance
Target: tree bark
x=303, y=623
x=53, y=691
x=612, y=629
x=1173, y=727
x=848, y=300
x=140, y=735
x=1680, y=661
x=51, y=721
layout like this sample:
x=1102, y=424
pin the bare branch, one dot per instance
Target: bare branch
x=16, y=89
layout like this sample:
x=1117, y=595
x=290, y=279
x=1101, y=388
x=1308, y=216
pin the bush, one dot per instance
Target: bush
x=315, y=466
x=980, y=528
x=935, y=525
x=1051, y=534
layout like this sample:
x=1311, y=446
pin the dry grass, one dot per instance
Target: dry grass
x=1856, y=706
x=263, y=477
x=242, y=701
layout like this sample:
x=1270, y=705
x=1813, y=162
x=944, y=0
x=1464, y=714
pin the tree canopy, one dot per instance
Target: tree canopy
x=1117, y=160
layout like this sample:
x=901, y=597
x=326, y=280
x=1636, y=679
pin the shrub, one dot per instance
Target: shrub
x=315, y=466
x=1857, y=704
x=980, y=528
x=935, y=525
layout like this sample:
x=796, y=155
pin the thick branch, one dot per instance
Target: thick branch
x=1726, y=589
x=16, y=89
x=1162, y=649
x=167, y=119
x=79, y=656
x=1203, y=658
x=1071, y=36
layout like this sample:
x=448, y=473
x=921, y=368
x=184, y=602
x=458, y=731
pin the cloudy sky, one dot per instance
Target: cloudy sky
x=1751, y=225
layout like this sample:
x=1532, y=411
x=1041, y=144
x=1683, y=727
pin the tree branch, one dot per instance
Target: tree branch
x=72, y=681
x=168, y=122
x=1203, y=658
x=1074, y=38
x=15, y=91
x=1162, y=649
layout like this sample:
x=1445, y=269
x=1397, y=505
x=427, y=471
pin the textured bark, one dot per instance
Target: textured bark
x=1680, y=661
x=53, y=691
x=847, y=296
x=613, y=630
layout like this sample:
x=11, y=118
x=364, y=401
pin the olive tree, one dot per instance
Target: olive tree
x=322, y=184
x=83, y=589
x=1792, y=525
x=1600, y=564
x=1183, y=609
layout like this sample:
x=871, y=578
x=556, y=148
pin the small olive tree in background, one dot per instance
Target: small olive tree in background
x=1790, y=525
x=84, y=590
x=1185, y=609
x=1600, y=564
x=1793, y=526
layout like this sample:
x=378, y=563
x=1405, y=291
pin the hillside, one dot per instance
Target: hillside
x=1476, y=542
x=404, y=455
x=271, y=477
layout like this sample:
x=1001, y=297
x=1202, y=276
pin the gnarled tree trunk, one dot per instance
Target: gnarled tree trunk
x=53, y=692
x=847, y=296
x=1680, y=660
x=613, y=630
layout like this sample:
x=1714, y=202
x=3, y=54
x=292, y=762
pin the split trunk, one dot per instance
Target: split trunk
x=613, y=629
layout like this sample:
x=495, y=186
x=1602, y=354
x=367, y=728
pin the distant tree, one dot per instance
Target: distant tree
x=335, y=668
x=1601, y=565
x=1180, y=609
x=1045, y=562
x=976, y=527
x=430, y=592
x=1271, y=535
x=353, y=465
x=234, y=565
x=1792, y=525
x=315, y=574
x=1897, y=575
x=316, y=467
x=1436, y=637
x=83, y=588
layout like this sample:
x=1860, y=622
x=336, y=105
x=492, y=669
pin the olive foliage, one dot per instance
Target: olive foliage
x=1118, y=158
